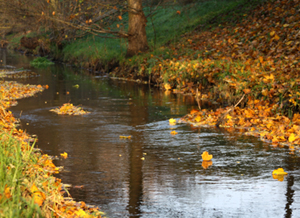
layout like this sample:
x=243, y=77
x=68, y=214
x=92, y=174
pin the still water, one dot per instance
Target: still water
x=170, y=181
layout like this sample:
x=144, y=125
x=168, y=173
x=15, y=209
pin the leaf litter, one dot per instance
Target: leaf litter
x=38, y=184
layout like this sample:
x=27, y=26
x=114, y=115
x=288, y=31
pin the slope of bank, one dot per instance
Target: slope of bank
x=28, y=187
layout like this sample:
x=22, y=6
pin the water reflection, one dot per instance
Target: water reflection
x=171, y=181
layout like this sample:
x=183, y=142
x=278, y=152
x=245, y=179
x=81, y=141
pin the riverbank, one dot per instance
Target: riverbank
x=236, y=51
x=28, y=186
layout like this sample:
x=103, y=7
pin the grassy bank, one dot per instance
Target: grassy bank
x=222, y=48
x=27, y=185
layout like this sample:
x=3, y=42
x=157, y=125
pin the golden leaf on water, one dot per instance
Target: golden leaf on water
x=278, y=177
x=167, y=86
x=172, y=121
x=206, y=163
x=279, y=171
x=64, y=155
x=125, y=137
x=206, y=156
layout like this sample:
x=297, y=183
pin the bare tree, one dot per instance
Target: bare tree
x=70, y=19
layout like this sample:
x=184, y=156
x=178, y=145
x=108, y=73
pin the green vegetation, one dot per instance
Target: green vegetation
x=40, y=62
x=165, y=27
x=13, y=180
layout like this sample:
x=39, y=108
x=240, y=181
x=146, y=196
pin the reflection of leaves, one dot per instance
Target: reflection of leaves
x=206, y=163
x=206, y=156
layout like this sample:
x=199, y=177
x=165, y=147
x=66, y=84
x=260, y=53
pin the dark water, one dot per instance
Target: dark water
x=170, y=181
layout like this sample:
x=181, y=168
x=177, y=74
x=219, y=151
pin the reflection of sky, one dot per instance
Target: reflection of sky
x=216, y=199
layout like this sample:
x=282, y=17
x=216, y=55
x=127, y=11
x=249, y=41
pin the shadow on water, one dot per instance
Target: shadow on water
x=154, y=174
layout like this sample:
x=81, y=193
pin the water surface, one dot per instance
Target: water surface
x=170, y=181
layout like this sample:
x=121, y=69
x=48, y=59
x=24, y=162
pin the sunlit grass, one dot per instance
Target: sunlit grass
x=165, y=26
x=13, y=164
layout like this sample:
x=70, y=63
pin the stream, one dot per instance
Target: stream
x=153, y=174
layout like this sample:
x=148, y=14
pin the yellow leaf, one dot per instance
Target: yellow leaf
x=172, y=121
x=272, y=33
x=64, y=155
x=206, y=156
x=174, y=132
x=125, y=137
x=167, y=86
x=276, y=37
x=81, y=213
x=37, y=195
x=293, y=137
x=198, y=119
x=279, y=171
x=120, y=17
x=278, y=177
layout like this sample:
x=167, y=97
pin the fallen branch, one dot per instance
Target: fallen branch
x=222, y=118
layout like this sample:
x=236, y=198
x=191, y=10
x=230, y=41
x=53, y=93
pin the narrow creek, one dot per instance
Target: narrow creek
x=170, y=181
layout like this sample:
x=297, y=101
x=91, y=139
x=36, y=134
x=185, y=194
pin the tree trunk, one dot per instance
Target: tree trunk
x=137, y=38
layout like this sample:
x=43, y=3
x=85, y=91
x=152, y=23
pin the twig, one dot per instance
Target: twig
x=221, y=119
x=197, y=99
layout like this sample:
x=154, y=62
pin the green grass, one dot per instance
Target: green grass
x=167, y=28
x=40, y=62
x=13, y=164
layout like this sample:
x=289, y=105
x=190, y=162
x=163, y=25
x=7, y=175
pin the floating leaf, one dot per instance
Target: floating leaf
x=174, y=132
x=279, y=171
x=125, y=137
x=64, y=155
x=206, y=156
x=172, y=121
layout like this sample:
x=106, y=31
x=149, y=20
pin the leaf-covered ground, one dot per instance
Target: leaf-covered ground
x=257, y=56
x=36, y=184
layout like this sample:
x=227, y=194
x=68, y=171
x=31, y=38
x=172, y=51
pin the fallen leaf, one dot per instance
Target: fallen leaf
x=279, y=171
x=64, y=155
x=172, y=121
x=125, y=137
x=206, y=156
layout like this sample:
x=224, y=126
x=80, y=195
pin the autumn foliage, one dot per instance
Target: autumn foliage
x=27, y=182
x=258, y=56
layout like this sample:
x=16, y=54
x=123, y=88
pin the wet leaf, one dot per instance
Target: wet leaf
x=279, y=171
x=64, y=155
x=206, y=156
x=293, y=137
x=125, y=137
x=172, y=121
